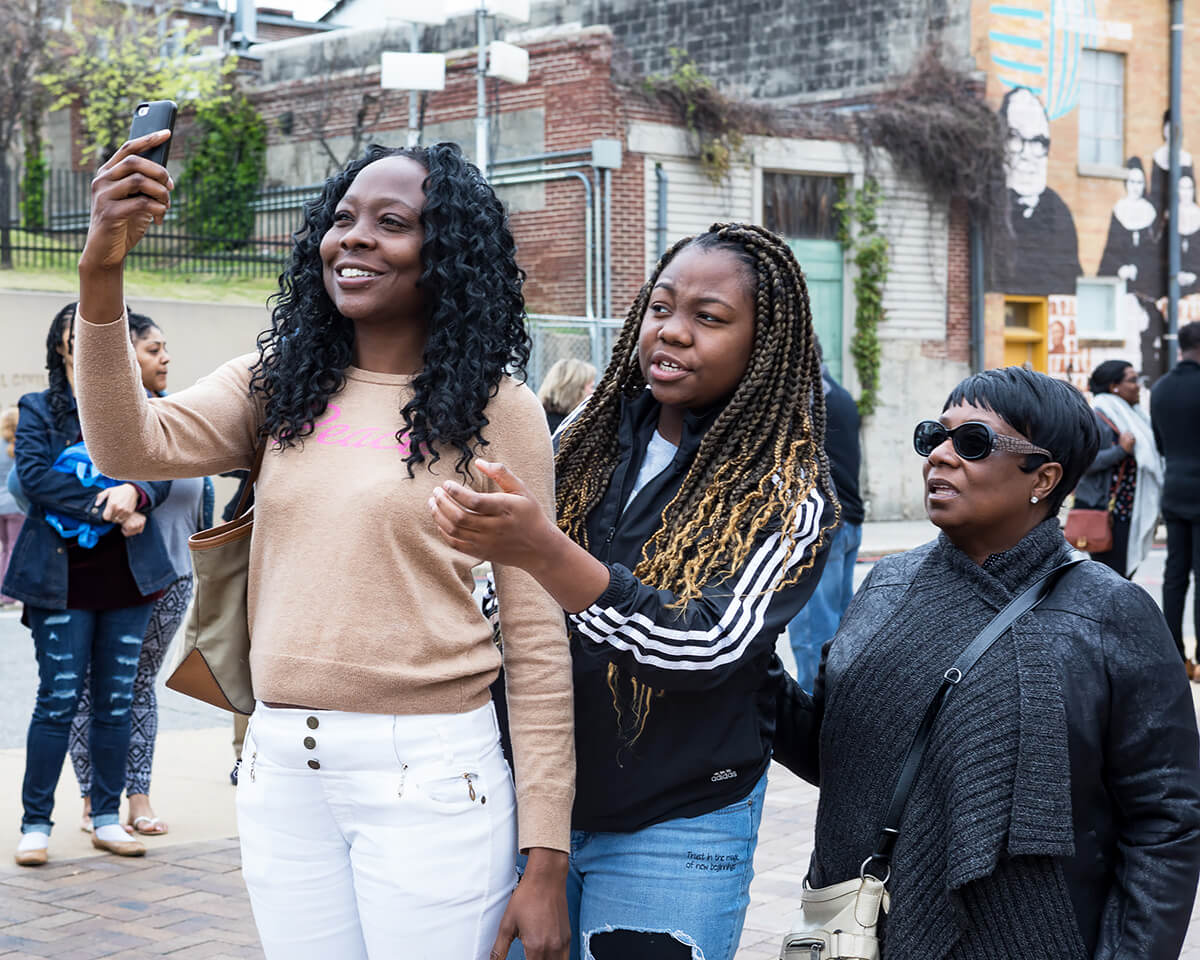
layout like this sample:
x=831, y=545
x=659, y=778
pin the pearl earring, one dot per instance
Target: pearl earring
x=1033, y=499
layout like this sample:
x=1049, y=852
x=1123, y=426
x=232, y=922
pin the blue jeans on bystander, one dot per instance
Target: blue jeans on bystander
x=815, y=625
x=677, y=890
x=67, y=643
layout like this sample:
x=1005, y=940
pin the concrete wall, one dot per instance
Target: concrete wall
x=200, y=337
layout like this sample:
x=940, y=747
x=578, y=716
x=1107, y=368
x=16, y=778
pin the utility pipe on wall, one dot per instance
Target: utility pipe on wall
x=1172, y=336
x=660, y=175
x=607, y=243
x=505, y=179
x=977, y=325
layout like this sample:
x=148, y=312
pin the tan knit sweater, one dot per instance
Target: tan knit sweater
x=355, y=601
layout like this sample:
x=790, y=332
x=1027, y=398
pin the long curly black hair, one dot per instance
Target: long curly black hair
x=472, y=286
x=61, y=398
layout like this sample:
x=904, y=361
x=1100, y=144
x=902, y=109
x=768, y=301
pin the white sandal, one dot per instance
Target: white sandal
x=150, y=822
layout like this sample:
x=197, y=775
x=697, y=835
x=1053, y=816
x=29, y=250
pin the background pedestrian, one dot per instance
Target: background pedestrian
x=817, y=622
x=1175, y=414
x=11, y=516
x=187, y=509
x=1127, y=472
x=87, y=603
x=567, y=384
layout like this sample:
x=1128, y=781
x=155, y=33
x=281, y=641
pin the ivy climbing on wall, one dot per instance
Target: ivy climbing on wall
x=860, y=233
x=716, y=123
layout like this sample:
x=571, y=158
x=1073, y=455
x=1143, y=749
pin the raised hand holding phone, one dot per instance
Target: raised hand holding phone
x=128, y=193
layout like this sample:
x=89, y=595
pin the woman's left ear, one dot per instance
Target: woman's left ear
x=1047, y=477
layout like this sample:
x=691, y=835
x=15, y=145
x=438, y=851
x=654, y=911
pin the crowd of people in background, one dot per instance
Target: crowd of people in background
x=1147, y=468
x=651, y=531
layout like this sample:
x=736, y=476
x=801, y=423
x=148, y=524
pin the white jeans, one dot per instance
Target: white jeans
x=373, y=837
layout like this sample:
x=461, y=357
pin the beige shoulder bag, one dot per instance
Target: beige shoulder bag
x=839, y=922
x=214, y=662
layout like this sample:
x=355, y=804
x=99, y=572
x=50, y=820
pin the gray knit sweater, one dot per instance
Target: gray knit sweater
x=976, y=873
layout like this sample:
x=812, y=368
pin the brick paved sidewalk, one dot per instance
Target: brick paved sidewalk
x=185, y=902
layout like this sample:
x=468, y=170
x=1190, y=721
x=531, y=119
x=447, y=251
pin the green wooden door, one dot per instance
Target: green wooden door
x=821, y=261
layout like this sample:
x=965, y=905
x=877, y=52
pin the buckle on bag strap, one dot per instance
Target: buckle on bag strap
x=815, y=947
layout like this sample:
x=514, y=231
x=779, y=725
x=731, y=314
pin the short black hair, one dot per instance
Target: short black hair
x=1110, y=372
x=140, y=325
x=1048, y=412
x=1189, y=336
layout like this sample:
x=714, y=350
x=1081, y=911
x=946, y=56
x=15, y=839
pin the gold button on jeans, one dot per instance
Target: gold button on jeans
x=313, y=723
x=314, y=764
x=310, y=743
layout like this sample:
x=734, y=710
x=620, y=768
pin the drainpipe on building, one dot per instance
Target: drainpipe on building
x=661, y=205
x=1172, y=336
x=501, y=179
x=977, y=329
x=607, y=243
x=244, y=21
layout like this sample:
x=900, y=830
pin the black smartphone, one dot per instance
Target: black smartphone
x=149, y=116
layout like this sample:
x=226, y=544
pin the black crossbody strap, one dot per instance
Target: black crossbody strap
x=881, y=859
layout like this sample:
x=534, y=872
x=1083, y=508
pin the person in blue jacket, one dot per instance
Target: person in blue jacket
x=87, y=606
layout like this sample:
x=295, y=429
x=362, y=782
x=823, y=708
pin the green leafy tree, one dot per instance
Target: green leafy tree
x=25, y=29
x=226, y=160
x=115, y=55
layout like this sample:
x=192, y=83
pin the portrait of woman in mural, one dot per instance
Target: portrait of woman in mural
x=1189, y=237
x=1035, y=251
x=1132, y=250
x=1161, y=166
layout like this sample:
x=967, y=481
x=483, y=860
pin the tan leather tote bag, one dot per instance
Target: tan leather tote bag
x=214, y=661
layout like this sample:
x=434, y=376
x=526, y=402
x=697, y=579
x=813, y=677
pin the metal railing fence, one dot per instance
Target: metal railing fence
x=202, y=232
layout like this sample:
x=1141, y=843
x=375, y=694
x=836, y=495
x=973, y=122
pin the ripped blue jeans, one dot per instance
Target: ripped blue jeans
x=678, y=890
x=67, y=643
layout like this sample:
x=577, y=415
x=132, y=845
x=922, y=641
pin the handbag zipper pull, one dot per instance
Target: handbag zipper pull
x=470, y=786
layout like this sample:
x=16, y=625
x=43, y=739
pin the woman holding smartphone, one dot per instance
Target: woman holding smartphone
x=374, y=804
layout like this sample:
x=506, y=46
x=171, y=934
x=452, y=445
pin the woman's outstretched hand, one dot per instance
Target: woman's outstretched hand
x=508, y=527
x=128, y=193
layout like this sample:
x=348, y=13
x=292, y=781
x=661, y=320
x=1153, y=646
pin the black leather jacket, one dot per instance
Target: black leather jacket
x=1134, y=759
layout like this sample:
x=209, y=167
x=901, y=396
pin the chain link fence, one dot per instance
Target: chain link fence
x=561, y=337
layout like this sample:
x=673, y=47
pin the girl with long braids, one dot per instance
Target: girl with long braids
x=375, y=809
x=695, y=505
x=88, y=565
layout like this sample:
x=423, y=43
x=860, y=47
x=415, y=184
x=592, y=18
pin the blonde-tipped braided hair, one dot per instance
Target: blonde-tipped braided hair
x=757, y=463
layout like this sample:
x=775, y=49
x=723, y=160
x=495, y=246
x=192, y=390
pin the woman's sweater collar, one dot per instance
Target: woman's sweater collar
x=1003, y=574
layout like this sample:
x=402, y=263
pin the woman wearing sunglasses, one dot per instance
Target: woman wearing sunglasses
x=1056, y=811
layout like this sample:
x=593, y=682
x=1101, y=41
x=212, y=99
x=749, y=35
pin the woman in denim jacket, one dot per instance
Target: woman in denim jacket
x=86, y=606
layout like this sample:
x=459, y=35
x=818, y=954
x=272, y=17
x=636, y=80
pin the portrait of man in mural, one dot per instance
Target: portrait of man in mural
x=1132, y=250
x=1036, y=252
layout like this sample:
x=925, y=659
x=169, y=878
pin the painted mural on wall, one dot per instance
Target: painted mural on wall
x=1034, y=249
x=1036, y=48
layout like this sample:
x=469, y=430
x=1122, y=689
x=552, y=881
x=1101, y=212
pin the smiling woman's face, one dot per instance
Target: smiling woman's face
x=371, y=254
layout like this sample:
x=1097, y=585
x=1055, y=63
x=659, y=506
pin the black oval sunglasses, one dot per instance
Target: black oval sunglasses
x=972, y=440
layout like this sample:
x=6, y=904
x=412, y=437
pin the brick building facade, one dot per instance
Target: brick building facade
x=1078, y=272
x=580, y=90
